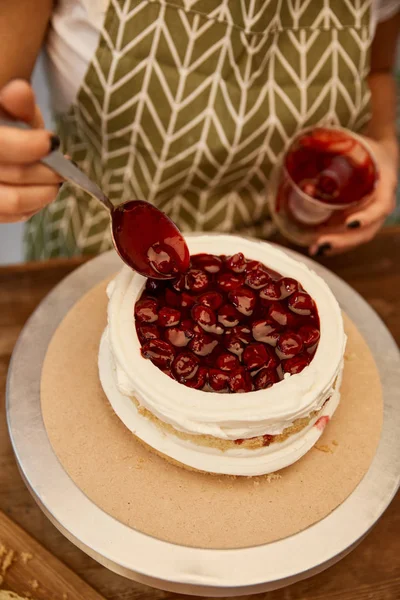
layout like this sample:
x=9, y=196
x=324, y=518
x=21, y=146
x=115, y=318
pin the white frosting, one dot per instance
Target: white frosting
x=237, y=461
x=227, y=416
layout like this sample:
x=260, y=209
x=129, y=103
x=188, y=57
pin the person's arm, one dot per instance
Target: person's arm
x=25, y=185
x=362, y=224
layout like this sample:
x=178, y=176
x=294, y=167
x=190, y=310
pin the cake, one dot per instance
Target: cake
x=233, y=368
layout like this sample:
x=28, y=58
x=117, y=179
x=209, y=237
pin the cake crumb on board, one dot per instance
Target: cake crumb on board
x=323, y=448
x=34, y=584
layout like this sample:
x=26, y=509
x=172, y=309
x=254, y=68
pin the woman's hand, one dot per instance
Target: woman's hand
x=362, y=223
x=26, y=186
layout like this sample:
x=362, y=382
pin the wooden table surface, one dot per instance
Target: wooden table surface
x=371, y=572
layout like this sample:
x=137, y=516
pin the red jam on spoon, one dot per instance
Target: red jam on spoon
x=148, y=241
x=227, y=325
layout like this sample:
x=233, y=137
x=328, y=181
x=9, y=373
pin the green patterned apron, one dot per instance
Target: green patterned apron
x=188, y=104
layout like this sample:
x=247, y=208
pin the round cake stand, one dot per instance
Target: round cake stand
x=179, y=568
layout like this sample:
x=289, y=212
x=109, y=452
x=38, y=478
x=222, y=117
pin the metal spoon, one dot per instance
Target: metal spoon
x=144, y=237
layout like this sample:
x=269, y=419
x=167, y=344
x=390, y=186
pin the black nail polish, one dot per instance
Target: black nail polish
x=322, y=249
x=54, y=143
x=353, y=225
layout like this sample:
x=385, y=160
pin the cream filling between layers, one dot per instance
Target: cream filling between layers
x=226, y=416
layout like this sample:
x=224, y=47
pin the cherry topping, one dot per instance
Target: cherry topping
x=148, y=332
x=212, y=300
x=255, y=356
x=294, y=365
x=301, y=304
x=239, y=381
x=309, y=334
x=228, y=316
x=218, y=380
x=167, y=317
x=203, y=315
x=159, y=352
x=196, y=281
x=228, y=282
x=207, y=262
x=266, y=331
x=289, y=344
x=236, y=263
x=146, y=310
x=227, y=362
x=244, y=300
x=271, y=291
x=257, y=279
x=225, y=330
x=185, y=366
x=203, y=344
x=161, y=261
x=178, y=336
x=265, y=379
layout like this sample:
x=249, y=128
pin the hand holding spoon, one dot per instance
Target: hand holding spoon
x=143, y=236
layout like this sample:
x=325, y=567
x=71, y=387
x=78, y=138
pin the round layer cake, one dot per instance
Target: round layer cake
x=234, y=368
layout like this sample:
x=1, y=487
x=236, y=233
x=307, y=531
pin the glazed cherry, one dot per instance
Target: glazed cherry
x=159, y=352
x=228, y=316
x=255, y=356
x=288, y=286
x=309, y=335
x=301, y=304
x=146, y=310
x=199, y=380
x=218, y=380
x=203, y=344
x=207, y=262
x=228, y=281
x=239, y=381
x=278, y=313
x=233, y=344
x=203, y=315
x=289, y=344
x=196, y=281
x=227, y=325
x=212, y=300
x=271, y=292
x=266, y=331
x=257, y=279
x=294, y=365
x=244, y=300
x=178, y=337
x=168, y=317
x=148, y=332
x=185, y=366
x=265, y=378
x=236, y=263
x=227, y=362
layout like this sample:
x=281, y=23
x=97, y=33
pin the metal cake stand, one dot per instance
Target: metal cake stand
x=179, y=568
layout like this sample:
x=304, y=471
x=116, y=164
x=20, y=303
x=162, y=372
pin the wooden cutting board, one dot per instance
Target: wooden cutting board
x=29, y=570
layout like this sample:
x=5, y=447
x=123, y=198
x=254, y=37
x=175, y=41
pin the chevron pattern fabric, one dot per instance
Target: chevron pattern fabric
x=189, y=104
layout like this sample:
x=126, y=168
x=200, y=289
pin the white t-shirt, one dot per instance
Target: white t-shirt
x=74, y=36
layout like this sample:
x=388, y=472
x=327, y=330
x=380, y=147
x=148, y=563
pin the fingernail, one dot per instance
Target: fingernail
x=353, y=225
x=322, y=249
x=54, y=143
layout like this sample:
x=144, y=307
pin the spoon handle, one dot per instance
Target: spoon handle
x=64, y=167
